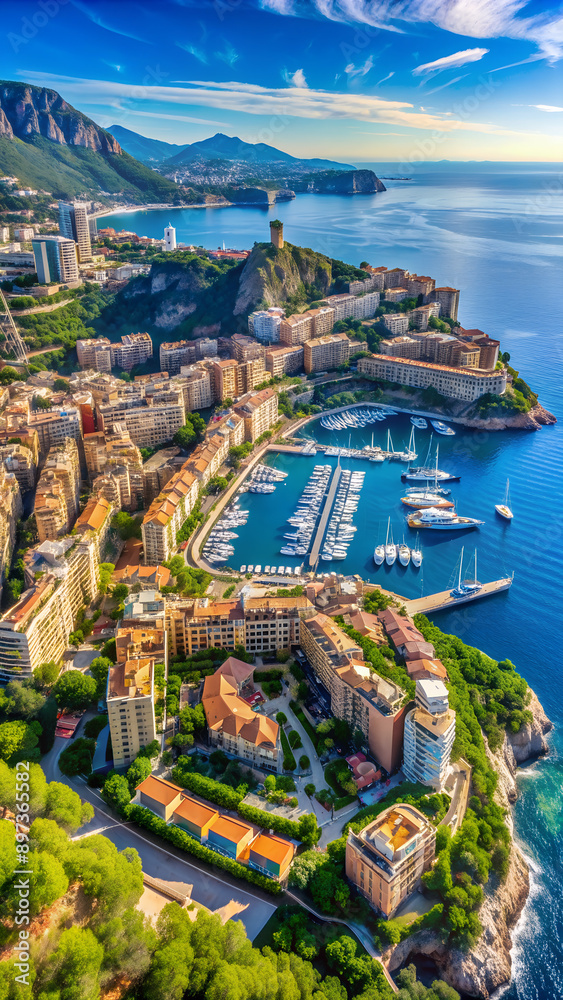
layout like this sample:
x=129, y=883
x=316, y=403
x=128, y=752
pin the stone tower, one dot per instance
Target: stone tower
x=276, y=233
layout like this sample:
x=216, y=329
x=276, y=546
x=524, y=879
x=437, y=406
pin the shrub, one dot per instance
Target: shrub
x=304, y=762
x=294, y=740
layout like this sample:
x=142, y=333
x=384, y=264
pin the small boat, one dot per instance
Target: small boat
x=426, y=472
x=504, y=508
x=280, y=570
x=250, y=567
x=416, y=554
x=258, y=568
x=442, y=428
x=390, y=548
x=404, y=553
x=419, y=422
x=266, y=569
x=243, y=568
x=441, y=520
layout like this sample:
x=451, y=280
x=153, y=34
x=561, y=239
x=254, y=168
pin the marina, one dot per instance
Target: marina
x=443, y=601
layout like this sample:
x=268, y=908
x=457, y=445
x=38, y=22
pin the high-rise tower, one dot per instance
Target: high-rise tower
x=73, y=223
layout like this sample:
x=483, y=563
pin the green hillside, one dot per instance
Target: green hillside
x=70, y=171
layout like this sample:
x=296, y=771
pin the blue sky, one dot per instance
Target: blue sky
x=357, y=80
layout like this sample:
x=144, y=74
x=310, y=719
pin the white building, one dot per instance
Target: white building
x=169, y=238
x=429, y=735
x=73, y=223
x=24, y=233
x=55, y=259
x=4, y=234
x=265, y=324
x=459, y=383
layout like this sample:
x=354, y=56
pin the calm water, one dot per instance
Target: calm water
x=498, y=236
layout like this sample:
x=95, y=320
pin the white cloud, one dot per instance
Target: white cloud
x=478, y=19
x=95, y=18
x=443, y=86
x=385, y=78
x=252, y=99
x=362, y=70
x=192, y=50
x=192, y=120
x=296, y=79
x=454, y=61
x=228, y=55
x=545, y=107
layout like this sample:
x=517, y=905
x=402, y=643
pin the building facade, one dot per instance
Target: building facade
x=429, y=735
x=326, y=353
x=457, y=383
x=55, y=259
x=73, y=223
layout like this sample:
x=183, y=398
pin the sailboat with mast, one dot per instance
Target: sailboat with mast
x=416, y=554
x=467, y=587
x=426, y=472
x=390, y=548
x=504, y=508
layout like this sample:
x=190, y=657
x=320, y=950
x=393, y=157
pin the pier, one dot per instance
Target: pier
x=317, y=541
x=445, y=602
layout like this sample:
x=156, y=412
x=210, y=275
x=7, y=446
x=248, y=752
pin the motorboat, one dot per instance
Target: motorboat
x=266, y=569
x=504, y=508
x=441, y=520
x=419, y=422
x=404, y=553
x=243, y=568
x=426, y=472
x=250, y=567
x=442, y=428
x=422, y=500
x=258, y=568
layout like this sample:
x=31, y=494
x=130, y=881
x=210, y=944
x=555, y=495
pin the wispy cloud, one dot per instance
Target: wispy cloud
x=296, y=79
x=443, y=86
x=292, y=101
x=478, y=19
x=192, y=50
x=545, y=107
x=192, y=120
x=454, y=61
x=116, y=66
x=93, y=16
x=385, y=78
x=228, y=55
x=353, y=71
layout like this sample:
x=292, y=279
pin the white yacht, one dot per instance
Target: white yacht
x=390, y=548
x=504, y=508
x=404, y=553
x=441, y=520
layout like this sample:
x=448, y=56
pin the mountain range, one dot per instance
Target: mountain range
x=217, y=147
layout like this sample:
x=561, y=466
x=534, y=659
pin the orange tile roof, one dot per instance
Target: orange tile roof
x=274, y=848
x=230, y=829
x=160, y=790
x=474, y=373
x=93, y=515
x=195, y=812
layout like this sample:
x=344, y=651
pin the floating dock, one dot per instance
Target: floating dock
x=317, y=542
x=445, y=602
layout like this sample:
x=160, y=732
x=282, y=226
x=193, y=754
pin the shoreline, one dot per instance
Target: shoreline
x=129, y=209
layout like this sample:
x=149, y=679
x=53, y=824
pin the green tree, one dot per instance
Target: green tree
x=309, y=832
x=99, y=668
x=73, y=969
x=120, y=592
x=170, y=971
x=139, y=770
x=65, y=807
x=23, y=699
x=74, y=690
x=77, y=757
x=46, y=674
x=48, y=880
x=105, y=572
x=116, y=791
x=126, y=525
x=18, y=741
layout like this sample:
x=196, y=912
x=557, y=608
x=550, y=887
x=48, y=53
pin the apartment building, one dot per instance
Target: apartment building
x=19, y=460
x=457, y=383
x=232, y=725
x=208, y=457
x=177, y=353
x=448, y=298
x=245, y=348
x=367, y=702
x=422, y=314
x=197, y=384
x=115, y=467
x=297, y=329
x=373, y=282
x=158, y=471
x=259, y=411
x=281, y=360
x=396, y=294
x=225, y=379
x=386, y=859
x=326, y=353
x=58, y=492
x=376, y=274
x=94, y=354
x=401, y=347
x=202, y=624
x=250, y=374
x=354, y=306
x=54, y=426
x=10, y=510
x=130, y=701
x=420, y=285
x=135, y=349
x=55, y=259
x=489, y=348
x=394, y=277
x=61, y=577
x=73, y=223
x=273, y=623
x=150, y=420
x=429, y=735
x=396, y=323
x=166, y=515
x=265, y=324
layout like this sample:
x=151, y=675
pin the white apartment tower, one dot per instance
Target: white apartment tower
x=55, y=259
x=169, y=238
x=429, y=735
x=73, y=223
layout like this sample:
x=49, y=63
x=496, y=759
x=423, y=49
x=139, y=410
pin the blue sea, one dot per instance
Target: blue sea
x=496, y=233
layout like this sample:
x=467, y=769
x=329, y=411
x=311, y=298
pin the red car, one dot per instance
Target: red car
x=183, y=546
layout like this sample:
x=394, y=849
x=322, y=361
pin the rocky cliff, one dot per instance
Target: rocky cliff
x=341, y=182
x=534, y=420
x=271, y=276
x=480, y=972
x=27, y=111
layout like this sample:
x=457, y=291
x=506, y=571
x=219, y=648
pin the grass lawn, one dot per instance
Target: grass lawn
x=415, y=906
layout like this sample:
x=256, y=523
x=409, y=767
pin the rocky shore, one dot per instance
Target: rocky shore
x=534, y=420
x=480, y=972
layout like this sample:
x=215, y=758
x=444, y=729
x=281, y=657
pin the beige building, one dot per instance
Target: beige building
x=420, y=285
x=115, y=467
x=259, y=411
x=273, y=623
x=396, y=323
x=422, y=314
x=365, y=700
x=401, y=347
x=150, y=420
x=166, y=515
x=326, y=352
x=55, y=425
x=296, y=329
x=19, y=460
x=386, y=859
x=245, y=348
x=225, y=379
x=458, y=383
x=204, y=625
x=94, y=355
x=135, y=349
x=197, y=384
x=281, y=360
x=10, y=511
x=429, y=735
x=130, y=701
x=448, y=299
x=61, y=577
x=58, y=491
x=175, y=354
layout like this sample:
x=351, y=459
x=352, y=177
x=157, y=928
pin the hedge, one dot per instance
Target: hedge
x=279, y=824
x=309, y=729
x=267, y=675
x=145, y=818
x=208, y=788
x=289, y=762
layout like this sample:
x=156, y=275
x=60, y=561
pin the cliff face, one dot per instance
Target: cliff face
x=271, y=276
x=534, y=420
x=342, y=182
x=480, y=972
x=26, y=111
